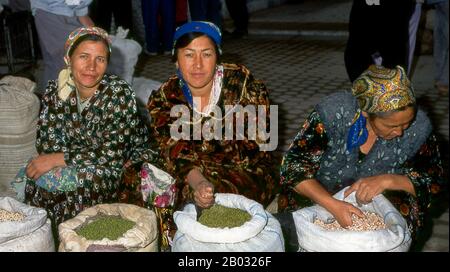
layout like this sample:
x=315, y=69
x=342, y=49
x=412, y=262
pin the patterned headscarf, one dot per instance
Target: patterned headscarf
x=380, y=89
x=65, y=81
x=80, y=32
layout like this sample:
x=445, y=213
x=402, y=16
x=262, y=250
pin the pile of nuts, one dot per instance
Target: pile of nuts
x=10, y=216
x=370, y=222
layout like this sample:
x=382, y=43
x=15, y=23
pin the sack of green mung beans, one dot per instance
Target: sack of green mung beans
x=249, y=229
x=110, y=227
x=24, y=228
x=382, y=229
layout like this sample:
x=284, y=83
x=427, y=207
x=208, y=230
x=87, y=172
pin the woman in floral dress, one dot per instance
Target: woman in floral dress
x=205, y=90
x=88, y=128
x=375, y=141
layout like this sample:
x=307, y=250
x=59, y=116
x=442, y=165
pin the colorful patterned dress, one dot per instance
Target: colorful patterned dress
x=232, y=166
x=96, y=142
x=309, y=152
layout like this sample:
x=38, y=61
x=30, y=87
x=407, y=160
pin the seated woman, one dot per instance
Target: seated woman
x=88, y=127
x=205, y=90
x=375, y=141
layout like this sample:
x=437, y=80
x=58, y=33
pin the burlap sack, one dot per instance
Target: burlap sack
x=19, y=111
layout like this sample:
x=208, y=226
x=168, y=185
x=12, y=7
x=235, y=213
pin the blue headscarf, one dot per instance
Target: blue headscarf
x=207, y=28
x=358, y=133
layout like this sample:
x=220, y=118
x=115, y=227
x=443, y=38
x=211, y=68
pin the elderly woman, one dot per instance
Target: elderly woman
x=206, y=90
x=88, y=128
x=375, y=141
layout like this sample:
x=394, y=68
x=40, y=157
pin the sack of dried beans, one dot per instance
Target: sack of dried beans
x=259, y=232
x=382, y=229
x=110, y=227
x=24, y=228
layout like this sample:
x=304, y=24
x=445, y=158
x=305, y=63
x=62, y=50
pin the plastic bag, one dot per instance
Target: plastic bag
x=311, y=237
x=261, y=234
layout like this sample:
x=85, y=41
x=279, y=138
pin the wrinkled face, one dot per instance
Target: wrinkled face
x=88, y=63
x=197, y=63
x=392, y=125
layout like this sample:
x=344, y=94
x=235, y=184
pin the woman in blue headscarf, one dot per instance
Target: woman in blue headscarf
x=207, y=90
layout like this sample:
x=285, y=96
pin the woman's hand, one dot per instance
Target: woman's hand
x=342, y=212
x=367, y=188
x=203, y=189
x=204, y=194
x=44, y=163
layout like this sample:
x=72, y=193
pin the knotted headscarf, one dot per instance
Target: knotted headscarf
x=377, y=90
x=380, y=89
x=65, y=82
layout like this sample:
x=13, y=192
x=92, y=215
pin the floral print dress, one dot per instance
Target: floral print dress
x=96, y=142
x=232, y=166
x=302, y=161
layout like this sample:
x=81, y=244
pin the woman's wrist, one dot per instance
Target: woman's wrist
x=194, y=178
x=397, y=182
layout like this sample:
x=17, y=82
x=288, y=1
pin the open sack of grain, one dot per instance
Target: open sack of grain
x=262, y=233
x=394, y=235
x=142, y=234
x=24, y=228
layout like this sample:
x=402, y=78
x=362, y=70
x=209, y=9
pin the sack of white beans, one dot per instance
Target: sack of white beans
x=393, y=235
x=261, y=234
x=24, y=228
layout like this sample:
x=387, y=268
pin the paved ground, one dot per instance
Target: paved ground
x=297, y=49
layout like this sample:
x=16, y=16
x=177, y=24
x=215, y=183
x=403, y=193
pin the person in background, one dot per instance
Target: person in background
x=414, y=22
x=55, y=20
x=374, y=140
x=440, y=45
x=388, y=36
x=181, y=16
x=239, y=13
x=206, y=10
x=88, y=129
x=102, y=12
x=152, y=10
